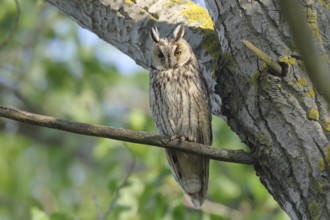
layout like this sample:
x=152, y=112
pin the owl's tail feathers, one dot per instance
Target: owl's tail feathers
x=196, y=202
x=191, y=172
x=193, y=190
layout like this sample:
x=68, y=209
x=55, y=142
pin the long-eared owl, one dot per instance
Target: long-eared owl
x=181, y=108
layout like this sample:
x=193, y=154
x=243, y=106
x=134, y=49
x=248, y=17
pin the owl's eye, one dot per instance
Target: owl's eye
x=177, y=53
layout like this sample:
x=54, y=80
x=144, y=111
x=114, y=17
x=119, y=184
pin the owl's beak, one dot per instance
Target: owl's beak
x=172, y=63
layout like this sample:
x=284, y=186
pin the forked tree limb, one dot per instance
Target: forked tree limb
x=220, y=154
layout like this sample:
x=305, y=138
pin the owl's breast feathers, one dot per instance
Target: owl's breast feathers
x=180, y=104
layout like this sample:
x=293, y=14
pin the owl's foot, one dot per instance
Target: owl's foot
x=182, y=138
x=179, y=138
x=191, y=139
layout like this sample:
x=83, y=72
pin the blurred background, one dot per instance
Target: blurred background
x=52, y=66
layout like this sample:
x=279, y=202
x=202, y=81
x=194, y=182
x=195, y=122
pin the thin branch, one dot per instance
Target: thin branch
x=122, y=185
x=107, y=213
x=97, y=205
x=264, y=57
x=220, y=154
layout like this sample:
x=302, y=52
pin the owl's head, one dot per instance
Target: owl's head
x=170, y=53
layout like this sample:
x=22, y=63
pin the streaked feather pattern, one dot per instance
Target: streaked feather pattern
x=180, y=105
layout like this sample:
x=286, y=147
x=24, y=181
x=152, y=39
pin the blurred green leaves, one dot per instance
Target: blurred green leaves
x=52, y=66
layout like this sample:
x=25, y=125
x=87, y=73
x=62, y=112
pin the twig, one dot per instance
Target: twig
x=264, y=57
x=12, y=32
x=97, y=205
x=220, y=154
x=108, y=212
x=122, y=185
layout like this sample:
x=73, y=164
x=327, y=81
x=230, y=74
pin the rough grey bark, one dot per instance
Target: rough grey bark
x=283, y=120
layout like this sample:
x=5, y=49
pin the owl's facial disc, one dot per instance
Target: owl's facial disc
x=170, y=53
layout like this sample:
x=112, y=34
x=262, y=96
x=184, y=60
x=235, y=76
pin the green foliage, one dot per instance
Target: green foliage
x=49, y=175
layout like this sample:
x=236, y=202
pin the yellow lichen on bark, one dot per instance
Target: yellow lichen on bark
x=288, y=60
x=170, y=3
x=326, y=126
x=325, y=3
x=301, y=82
x=313, y=114
x=197, y=14
x=311, y=20
x=311, y=92
x=314, y=210
x=129, y=2
x=324, y=163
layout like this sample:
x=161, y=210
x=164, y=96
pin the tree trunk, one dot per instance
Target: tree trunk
x=284, y=120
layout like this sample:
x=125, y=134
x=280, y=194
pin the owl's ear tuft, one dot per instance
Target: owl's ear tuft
x=178, y=32
x=154, y=34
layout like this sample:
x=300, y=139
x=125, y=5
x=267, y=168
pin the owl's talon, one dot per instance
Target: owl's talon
x=173, y=137
x=179, y=138
x=182, y=138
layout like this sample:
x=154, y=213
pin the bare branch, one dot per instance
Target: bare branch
x=264, y=57
x=236, y=156
x=108, y=212
x=122, y=185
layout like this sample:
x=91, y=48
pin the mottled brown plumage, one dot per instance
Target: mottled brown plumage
x=180, y=105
